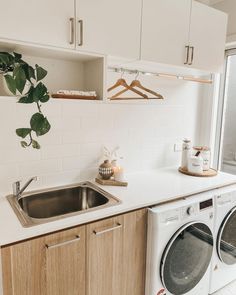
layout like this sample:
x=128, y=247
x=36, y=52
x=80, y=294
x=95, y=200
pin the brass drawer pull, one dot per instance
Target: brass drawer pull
x=77, y=238
x=97, y=233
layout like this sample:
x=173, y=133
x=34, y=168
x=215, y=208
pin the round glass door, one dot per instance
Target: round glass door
x=186, y=258
x=226, y=242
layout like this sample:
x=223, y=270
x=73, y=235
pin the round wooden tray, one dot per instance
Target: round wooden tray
x=209, y=173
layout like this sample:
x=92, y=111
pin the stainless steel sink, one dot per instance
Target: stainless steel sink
x=48, y=205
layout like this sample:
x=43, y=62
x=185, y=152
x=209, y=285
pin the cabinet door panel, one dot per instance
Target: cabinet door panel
x=42, y=22
x=134, y=260
x=165, y=31
x=50, y=265
x=65, y=262
x=25, y=264
x=208, y=35
x=110, y=27
x=116, y=258
x=104, y=253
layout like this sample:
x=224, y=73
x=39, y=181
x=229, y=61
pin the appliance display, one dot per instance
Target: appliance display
x=180, y=246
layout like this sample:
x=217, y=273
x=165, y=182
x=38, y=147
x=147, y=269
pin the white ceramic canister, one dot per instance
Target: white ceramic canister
x=195, y=164
x=205, y=153
x=186, y=153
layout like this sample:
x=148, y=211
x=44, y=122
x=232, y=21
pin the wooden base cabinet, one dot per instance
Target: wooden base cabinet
x=103, y=258
x=116, y=255
x=50, y=265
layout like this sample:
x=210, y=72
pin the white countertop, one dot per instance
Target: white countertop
x=144, y=189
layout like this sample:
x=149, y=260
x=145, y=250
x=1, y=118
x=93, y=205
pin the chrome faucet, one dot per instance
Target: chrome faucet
x=17, y=191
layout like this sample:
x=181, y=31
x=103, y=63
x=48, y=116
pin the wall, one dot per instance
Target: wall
x=145, y=131
x=229, y=6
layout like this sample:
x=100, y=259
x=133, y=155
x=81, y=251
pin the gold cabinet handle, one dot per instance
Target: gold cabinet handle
x=76, y=239
x=187, y=55
x=81, y=32
x=72, y=31
x=192, y=55
x=117, y=226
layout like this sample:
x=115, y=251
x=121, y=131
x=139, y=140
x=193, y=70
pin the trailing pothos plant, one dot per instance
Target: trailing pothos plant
x=17, y=74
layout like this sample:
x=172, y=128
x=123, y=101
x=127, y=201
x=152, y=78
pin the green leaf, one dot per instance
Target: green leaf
x=45, y=98
x=23, y=132
x=39, y=124
x=40, y=73
x=24, y=144
x=4, y=58
x=39, y=92
x=20, y=78
x=29, y=72
x=17, y=56
x=35, y=144
x=26, y=99
x=11, y=84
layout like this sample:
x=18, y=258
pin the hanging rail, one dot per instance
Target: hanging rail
x=162, y=75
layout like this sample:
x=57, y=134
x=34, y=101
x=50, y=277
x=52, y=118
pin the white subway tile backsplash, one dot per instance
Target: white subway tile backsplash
x=81, y=163
x=72, y=150
x=38, y=168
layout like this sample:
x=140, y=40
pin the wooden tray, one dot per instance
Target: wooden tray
x=209, y=173
x=111, y=182
x=70, y=96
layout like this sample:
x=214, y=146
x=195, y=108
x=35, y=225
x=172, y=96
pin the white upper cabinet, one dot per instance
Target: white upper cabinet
x=44, y=22
x=165, y=31
x=183, y=33
x=109, y=27
x=207, y=37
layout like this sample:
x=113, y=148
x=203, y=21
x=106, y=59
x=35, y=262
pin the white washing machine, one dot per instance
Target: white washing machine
x=180, y=246
x=224, y=253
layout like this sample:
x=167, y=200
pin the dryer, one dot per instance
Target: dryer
x=180, y=246
x=224, y=253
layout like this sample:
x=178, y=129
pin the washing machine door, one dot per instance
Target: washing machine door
x=186, y=258
x=226, y=240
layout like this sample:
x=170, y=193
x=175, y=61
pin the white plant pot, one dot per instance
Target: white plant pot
x=7, y=92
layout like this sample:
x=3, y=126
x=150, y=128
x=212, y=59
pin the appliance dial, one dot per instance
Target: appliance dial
x=190, y=210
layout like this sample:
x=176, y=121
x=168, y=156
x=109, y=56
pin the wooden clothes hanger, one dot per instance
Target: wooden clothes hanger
x=122, y=82
x=137, y=83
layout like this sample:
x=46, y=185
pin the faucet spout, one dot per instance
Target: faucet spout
x=17, y=191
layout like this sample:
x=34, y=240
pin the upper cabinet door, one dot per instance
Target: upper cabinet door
x=109, y=27
x=44, y=22
x=165, y=31
x=207, y=37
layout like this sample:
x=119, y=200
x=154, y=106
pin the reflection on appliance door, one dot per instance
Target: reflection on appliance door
x=186, y=258
x=226, y=242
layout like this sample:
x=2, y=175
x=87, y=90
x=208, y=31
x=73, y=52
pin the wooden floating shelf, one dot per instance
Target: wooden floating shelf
x=70, y=96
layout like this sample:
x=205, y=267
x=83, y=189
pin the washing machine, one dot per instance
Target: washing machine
x=224, y=253
x=180, y=246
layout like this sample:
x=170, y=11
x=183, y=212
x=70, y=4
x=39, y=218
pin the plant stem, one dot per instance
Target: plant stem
x=31, y=139
x=39, y=107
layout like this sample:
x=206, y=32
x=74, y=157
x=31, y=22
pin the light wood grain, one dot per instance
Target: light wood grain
x=29, y=268
x=109, y=259
x=116, y=259
x=111, y=182
x=65, y=264
x=23, y=268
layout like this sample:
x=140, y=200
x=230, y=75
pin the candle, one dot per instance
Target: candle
x=118, y=173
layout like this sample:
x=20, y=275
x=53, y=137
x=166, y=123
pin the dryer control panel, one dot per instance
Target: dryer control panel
x=206, y=204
